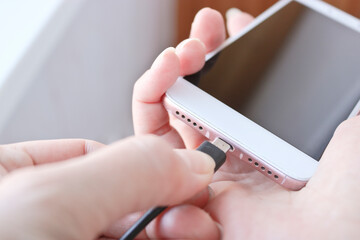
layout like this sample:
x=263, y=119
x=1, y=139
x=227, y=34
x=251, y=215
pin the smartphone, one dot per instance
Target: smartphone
x=277, y=91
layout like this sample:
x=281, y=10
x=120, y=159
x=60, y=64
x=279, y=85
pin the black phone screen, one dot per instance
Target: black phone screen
x=297, y=74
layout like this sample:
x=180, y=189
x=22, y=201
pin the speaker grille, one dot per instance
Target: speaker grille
x=254, y=163
x=263, y=168
x=189, y=120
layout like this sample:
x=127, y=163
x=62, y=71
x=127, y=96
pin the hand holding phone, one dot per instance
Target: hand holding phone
x=259, y=207
x=149, y=114
x=277, y=91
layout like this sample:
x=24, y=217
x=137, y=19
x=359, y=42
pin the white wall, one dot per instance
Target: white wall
x=83, y=88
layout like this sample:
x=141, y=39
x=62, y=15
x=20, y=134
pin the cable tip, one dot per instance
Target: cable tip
x=222, y=145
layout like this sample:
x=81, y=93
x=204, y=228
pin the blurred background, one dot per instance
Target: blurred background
x=188, y=8
x=74, y=75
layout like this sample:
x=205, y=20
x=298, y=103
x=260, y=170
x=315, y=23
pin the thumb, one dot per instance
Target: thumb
x=87, y=194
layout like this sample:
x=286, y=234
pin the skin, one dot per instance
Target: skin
x=245, y=204
x=76, y=189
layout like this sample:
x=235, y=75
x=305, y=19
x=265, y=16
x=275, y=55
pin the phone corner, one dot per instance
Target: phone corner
x=293, y=184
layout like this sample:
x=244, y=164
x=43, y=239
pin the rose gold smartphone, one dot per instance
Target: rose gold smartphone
x=277, y=91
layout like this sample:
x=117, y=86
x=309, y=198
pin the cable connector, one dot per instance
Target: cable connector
x=216, y=150
x=222, y=145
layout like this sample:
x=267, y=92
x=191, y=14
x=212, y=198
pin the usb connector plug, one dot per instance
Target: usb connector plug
x=222, y=145
x=216, y=150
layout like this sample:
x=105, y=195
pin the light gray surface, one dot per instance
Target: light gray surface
x=84, y=88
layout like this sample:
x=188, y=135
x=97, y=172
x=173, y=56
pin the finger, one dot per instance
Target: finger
x=164, y=72
x=236, y=20
x=209, y=27
x=192, y=138
x=338, y=168
x=149, y=114
x=14, y=156
x=94, y=191
x=191, y=53
x=184, y=222
x=200, y=199
x=118, y=228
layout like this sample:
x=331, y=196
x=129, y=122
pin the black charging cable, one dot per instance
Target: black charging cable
x=217, y=150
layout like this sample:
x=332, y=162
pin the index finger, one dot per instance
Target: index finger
x=209, y=27
x=46, y=151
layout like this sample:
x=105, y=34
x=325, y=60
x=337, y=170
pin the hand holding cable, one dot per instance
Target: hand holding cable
x=217, y=150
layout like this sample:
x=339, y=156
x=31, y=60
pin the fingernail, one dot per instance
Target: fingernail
x=160, y=58
x=198, y=162
x=232, y=12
